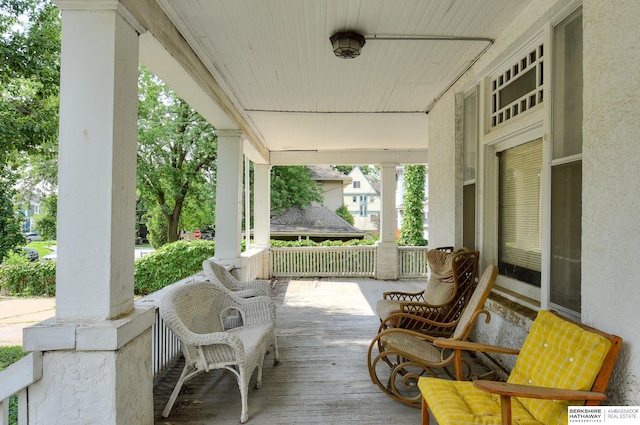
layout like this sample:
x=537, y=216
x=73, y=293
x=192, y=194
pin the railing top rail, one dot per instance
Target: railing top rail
x=21, y=374
x=325, y=248
x=413, y=248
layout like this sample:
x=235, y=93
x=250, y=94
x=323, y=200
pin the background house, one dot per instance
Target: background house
x=332, y=183
x=316, y=223
x=362, y=199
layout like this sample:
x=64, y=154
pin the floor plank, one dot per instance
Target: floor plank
x=324, y=330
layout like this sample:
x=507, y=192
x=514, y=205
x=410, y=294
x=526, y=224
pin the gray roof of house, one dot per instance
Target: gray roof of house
x=325, y=172
x=312, y=220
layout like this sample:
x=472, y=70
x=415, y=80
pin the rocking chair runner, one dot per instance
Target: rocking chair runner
x=404, y=355
x=561, y=363
x=451, y=283
x=196, y=314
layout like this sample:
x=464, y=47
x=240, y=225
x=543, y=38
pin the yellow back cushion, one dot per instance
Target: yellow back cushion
x=557, y=354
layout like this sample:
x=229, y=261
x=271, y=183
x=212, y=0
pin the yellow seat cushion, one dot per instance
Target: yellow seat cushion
x=556, y=354
x=460, y=403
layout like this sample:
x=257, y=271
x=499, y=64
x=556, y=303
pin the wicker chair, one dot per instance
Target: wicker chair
x=561, y=363
x=196, y=311
x=451, y=282
x=403, y=355
x=215, y=271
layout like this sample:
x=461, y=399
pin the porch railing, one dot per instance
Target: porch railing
x=348, y=261
x=412, y=261
x=165, y=345
x=16, y=380
x=356, y=261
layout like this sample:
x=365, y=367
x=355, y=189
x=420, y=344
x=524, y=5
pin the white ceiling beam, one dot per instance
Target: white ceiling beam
x=350, y=157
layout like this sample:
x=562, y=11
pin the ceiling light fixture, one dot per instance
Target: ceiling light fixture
x=347, y=45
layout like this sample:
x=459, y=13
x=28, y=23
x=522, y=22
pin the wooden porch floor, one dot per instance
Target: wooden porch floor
x=324, y=330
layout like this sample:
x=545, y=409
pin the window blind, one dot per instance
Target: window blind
x=520, y=212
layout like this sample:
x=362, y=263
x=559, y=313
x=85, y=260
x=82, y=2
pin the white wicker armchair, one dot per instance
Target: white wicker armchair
x=215, y=271
x=195, y=312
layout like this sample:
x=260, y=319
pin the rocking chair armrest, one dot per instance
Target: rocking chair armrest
x=531, y=391
x=473, y=346
x=411, y=296
x=398, y=317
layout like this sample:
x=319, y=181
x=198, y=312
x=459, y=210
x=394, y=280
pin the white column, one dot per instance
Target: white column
x=261, y=205
x=97, y=165
x=229, y=196
x=387, y=248
x=97, y=350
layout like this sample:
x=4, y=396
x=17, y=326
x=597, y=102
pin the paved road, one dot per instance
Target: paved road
x=18, y=313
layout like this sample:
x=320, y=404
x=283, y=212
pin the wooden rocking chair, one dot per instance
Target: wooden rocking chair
x=561, y=363
x=404, y=355
x=451, y=282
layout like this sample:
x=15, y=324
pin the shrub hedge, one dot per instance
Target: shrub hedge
x=170, y=263
x=28, y=279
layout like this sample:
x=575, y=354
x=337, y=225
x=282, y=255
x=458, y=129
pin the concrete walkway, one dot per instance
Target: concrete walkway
x=18, y=313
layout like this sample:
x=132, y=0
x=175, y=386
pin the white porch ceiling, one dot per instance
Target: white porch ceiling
x=274, y=60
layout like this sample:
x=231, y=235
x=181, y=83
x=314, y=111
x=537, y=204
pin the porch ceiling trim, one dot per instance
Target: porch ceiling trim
x=155, y=21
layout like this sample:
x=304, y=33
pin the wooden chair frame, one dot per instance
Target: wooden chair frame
x=421, y=316
x=410, y=354
x=508, y=390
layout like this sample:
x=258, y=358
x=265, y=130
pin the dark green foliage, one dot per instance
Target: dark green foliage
x=46, y=221
x=292, y=187
x=28, y=279
x=413, y=211
x=29, y=87
x=344, y=213
x=9, y=355
x=29, y=74
x=10, y=220
x=170, y=263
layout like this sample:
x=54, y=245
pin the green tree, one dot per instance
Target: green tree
x=292, y=186
x=177, y=153
x=29, y=75
x=29, y=97
x=413, y=209
x=46, y=221
x=10, y=220
x=371, y=171
x=344, y=213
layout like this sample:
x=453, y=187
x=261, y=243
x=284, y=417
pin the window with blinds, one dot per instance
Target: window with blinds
x=520, y=212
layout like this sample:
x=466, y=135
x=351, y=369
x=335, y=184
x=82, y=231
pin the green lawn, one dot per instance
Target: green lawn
x=43, y=247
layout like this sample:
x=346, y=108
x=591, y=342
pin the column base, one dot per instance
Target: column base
x=387, y=261
x=104, y=377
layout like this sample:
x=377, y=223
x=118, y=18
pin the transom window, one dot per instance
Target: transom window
x=518, y=88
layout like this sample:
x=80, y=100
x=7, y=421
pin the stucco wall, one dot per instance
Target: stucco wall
x=611, y=182
x=445, y=175
x=611, y=175
x=83, y=391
